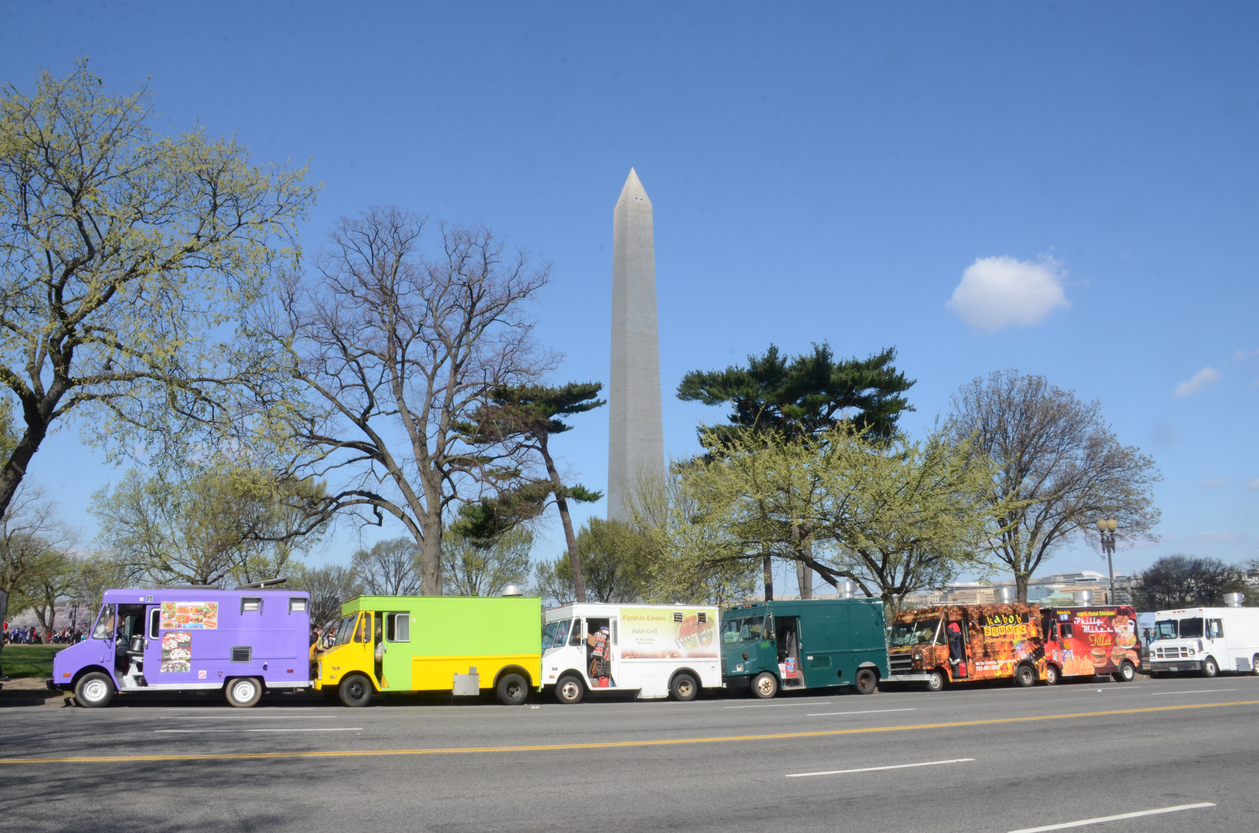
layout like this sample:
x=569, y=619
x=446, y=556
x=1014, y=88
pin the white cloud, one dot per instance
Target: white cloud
x=1253, y=484
x=998, y=292
x=1214, y=538
x=1200, y=381
x=1245, y=354
x=1213, y=483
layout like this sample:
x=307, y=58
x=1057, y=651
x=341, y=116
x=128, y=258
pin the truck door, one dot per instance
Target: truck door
x=1216, y=646
x=396, y=652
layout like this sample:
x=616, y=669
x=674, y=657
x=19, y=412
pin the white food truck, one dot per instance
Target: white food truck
x=654, y=650
x=1205, y=639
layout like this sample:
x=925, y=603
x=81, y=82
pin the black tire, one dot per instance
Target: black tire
x=94, y=690
x=1210, y=668
x=1127, y=672
x=935, y=680
x=1025, y=676
x=1051, y=675
x=355, y=690
x=1254, y=665
x=512, y=689
x=243, y=692
x=867, y=681
x=764, y=686
x=570, y=689
x=683, y=688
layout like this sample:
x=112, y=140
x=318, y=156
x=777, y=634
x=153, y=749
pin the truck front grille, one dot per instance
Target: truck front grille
x=900, y=663
x=1174, y=652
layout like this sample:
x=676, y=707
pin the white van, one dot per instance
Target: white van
x=654, y=650
x=1205, y=639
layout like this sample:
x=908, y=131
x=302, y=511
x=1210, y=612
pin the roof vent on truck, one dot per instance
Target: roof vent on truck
x=1083, y=598
x=1234, y=599
x=511, y=590
x=262, y=585
x=1003, y=595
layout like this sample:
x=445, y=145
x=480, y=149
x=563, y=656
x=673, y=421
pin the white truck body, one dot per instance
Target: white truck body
x=1190, y=638
x=647, y=647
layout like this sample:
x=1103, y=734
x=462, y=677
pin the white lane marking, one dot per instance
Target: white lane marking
x=1121, y=817
x=1198, y=691
x=242, y=731
x=871, y=711
x=253, y=717
x=878, y=768
x=771, y=706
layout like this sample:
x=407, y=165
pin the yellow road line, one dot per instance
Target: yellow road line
x=557, y=747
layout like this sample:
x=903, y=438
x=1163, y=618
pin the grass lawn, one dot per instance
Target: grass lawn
x=29, y=660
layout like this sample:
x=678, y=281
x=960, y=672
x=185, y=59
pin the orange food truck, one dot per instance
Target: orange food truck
x=964, y=643
x=1084, y=641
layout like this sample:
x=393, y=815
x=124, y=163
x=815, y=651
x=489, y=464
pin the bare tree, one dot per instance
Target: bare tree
x=395, y=351
x=1060, y=468
x=484, y=568
x=329, y=587
x=30, y=535
x=389, y=568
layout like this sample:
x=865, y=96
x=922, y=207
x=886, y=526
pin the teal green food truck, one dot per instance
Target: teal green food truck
x=812, y=643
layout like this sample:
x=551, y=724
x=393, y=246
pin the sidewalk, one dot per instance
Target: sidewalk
x=30, y=691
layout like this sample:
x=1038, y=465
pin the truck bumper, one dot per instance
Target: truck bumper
x=906, y=677
x=1173, y=665
x=52, y=685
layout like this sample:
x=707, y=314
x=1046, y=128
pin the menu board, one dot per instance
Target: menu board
x=189, y=616
x=656, y=633
x=176, y=653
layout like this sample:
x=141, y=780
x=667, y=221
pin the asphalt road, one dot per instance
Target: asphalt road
x=992, y=759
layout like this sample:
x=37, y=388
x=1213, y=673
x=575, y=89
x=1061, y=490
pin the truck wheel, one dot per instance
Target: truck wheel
x=243, y=692
x=1025, y=676
x=867, y=681
x=569, y=690
x=512, y=690
x=765, y=686
x=1209, y=668
x=1254, y=665
x=1051, y=675
x=935, y=680
x=1127, y=672
x=683, y=688
x=94, y=690
x=355, y=690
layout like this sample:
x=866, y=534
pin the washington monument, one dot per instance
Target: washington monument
x=636, y=435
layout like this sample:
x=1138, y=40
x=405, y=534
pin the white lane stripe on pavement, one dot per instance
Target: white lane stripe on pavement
x=1120, y=817
x=878, y=768
x=771, y=706
x=869, y=711
x=1196, y=691
x=253, y=717
x=242, y=731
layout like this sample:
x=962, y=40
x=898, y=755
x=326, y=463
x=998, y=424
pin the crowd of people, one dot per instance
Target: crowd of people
x=33, y=636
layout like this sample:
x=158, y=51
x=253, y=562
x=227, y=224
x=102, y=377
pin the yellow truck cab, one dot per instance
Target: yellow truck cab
x=439, y=643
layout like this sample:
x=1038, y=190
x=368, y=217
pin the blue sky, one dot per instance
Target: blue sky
x=819, y=172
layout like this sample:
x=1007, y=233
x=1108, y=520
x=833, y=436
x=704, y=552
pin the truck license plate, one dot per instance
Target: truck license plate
x=1173, y=668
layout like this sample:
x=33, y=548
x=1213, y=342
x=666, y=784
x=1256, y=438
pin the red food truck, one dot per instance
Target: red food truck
x=1084, y=641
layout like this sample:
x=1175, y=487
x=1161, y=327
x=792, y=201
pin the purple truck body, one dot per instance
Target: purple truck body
x=191, y=639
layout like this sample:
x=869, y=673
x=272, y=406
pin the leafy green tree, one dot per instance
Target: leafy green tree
x=793, y=399
x=1176, y=581
x=123, y=256
x=97, y=572
x=389, y=568
x=522, y=420
x=894, y=517
x=614, y=558
x=30, y=535
x=206, y=525
x=1059, y=469
x=475, y=567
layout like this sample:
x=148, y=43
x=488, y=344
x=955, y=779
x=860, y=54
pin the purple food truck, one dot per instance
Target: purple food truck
x=242, y=641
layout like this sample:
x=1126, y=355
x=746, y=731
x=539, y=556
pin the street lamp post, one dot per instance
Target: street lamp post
x=1107, y=529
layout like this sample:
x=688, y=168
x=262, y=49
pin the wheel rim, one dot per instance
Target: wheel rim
x=1129, y=672
x=513, y=691
x=243, y=691
x=94, y=691
x=356, y=690
x=1051, y=676
x=685, y=689
x=765, y=686
x=569, y=690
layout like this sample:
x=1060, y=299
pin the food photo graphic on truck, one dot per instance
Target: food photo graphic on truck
x=654, y=651
x=242, y=641
x=966, y=643
x=773, y=646
x=1087, y=641
x=1206, y=640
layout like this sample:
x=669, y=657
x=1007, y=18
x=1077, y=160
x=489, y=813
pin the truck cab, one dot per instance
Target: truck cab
x=1205, y=640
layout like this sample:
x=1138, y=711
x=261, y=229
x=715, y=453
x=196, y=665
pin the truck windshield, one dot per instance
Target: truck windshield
x=555, y=634
x=1165, y=629
x=914, y=633
x=1190, y=628
x=345, y=630
x=745, y=629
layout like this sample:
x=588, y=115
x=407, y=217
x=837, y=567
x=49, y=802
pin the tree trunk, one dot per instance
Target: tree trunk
x=769, y=578
x=1020, y=585
x=15, y=469
x=431, y=557
x=4, y=614
x=561, y=503
x=804, y=574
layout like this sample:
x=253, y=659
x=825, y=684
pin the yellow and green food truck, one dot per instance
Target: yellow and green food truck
x=433, y=643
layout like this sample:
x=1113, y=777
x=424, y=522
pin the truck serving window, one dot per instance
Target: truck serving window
x=1190, y=628
x=914, y=633
x=555, y=634
x=743, y=629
